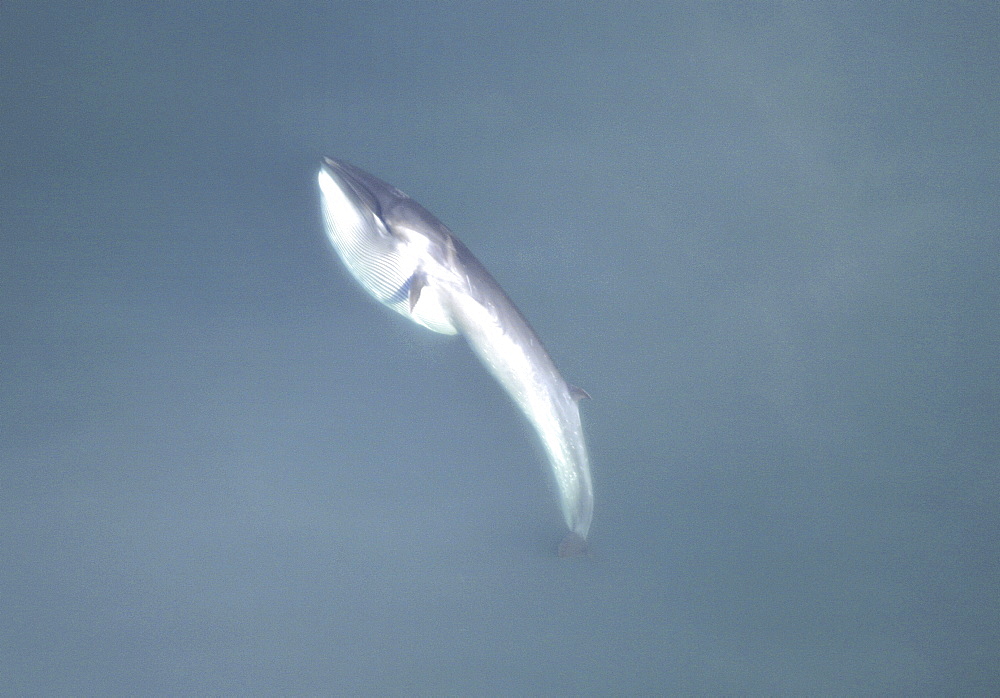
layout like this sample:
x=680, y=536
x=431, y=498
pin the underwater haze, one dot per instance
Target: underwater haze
x=762, y=236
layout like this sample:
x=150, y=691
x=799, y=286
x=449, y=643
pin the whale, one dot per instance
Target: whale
x=411, y=262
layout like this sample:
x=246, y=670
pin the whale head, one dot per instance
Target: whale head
x=391, y=245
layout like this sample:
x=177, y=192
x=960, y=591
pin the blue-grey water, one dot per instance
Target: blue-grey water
x=763, y=237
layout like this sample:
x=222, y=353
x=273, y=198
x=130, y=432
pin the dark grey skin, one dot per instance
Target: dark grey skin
x=410, y=261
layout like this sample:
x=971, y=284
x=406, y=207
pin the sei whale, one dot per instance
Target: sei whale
x=408, y=260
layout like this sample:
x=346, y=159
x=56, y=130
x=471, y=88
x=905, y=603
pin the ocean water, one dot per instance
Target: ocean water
x=763, y=239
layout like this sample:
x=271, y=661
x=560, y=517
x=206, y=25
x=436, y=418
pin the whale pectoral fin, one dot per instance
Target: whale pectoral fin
x=578, y=393
x=417, y=284
x=422, y=301
x=572, y=545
